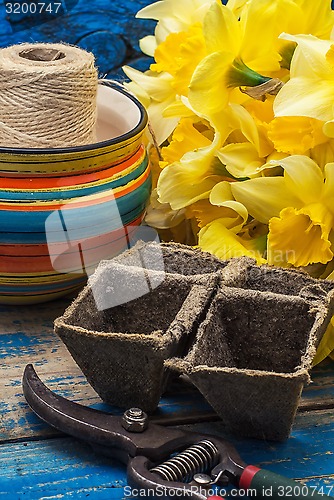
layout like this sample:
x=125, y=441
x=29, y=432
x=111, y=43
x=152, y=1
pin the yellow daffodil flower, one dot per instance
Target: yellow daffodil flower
x=232, y=59
x=158, y=95
x=316, y=17
x=205, y=212
x=187, y=136
x=296, y=134
x=247, y=147
x=217, y=239
x=191, y=178
x=298, y=208
x=179, y=55
x=310, y=91
x=240, y=98
x=173, y=16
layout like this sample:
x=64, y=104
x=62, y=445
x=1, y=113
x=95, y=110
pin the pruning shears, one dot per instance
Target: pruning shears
x=162, y=461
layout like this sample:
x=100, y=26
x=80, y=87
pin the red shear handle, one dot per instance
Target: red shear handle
x=270, y=485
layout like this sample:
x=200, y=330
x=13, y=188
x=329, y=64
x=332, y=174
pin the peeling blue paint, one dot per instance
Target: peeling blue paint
x=22, y=344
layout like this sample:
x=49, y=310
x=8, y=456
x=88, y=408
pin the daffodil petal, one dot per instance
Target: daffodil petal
x=236, y=5
x=207, y=90
x=221, y=195
x=176, y=109
x=139, y=92
x=331, y=276
x=161, y=125
x=148, y=45
x=241, y=160
x=323, y=154
x=304, y=96
x=166, y=26
x=181, y=189
x=154, y=11
x=205, y=212
x=310, y=56
x=303, y=177
x=219, y=121
x=157, y=86
x=264, y=197
x=241, y=214
x=318, y=18
x=174, y=16
x=189, y=180
x=185, y=138
x=221, y=30
x=259, y=21
x=179, y=55
x=161, y=216
x=165, y=9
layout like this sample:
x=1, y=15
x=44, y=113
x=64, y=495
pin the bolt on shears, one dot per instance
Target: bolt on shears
x=171, y=461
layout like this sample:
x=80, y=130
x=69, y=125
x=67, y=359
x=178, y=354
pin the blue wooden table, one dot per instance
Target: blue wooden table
x=36, y=462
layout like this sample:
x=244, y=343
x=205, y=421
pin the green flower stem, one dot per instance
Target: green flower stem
x=240, y=75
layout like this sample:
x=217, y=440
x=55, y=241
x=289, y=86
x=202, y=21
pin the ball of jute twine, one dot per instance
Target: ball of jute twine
x=47, y=96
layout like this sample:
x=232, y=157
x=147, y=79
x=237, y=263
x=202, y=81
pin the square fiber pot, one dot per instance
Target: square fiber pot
x=244, y=334
x=253, y=352
x=126, y=322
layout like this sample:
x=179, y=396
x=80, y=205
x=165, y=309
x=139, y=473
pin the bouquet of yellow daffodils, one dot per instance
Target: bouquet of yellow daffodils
x=241, y=103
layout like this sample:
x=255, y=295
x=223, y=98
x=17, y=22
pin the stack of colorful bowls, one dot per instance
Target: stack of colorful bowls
x=64, y=210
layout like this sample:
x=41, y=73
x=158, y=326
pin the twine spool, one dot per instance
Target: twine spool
x=47, y=96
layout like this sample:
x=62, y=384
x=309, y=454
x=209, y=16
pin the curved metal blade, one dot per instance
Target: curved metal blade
x=96, y=427
x=102, y=430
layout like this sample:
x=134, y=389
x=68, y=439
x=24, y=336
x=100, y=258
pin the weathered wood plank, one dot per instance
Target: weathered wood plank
x=66, y=468
x=58, y=468
x=320, y=393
